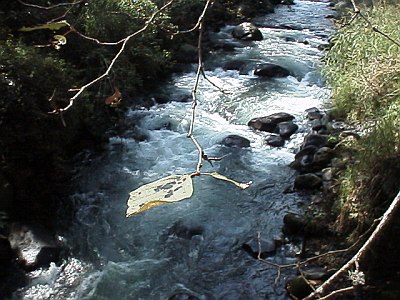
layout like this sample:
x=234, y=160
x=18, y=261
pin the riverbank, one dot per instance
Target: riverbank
x=362, y=69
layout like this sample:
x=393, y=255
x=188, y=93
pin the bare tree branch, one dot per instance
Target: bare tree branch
x=51, y=7
x=114, y=60
x=386, y=219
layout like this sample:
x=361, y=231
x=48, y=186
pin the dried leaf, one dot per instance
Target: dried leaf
x=242, y=185
x=115, y=99
x=169, y=189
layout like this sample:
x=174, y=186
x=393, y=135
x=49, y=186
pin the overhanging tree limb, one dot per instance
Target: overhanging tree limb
x=385, y=221
x=114, y=60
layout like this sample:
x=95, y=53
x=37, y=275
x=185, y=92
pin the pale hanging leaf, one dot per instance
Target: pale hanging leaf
x=242, y=185
x=169, y=189
x=59, y=39
x=51, y=26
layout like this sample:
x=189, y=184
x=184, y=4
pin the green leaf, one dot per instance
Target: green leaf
x=169, y=189
x=242, y=185
x=50, y=26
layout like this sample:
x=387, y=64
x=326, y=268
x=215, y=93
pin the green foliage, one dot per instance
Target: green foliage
x=363, y=68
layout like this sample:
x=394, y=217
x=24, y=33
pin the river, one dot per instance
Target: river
x=114, y=257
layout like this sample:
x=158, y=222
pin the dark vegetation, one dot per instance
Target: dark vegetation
x=36, y=147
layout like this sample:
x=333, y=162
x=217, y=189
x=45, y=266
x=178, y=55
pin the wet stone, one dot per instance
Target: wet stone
x=317, y=140
x=247, y=32
x=183, y=296
x=308, y=181
x=235, y=141
x=186, y=229
x=286, y=129
x=293, y=224
x=270, y=122
x=271, y=71
x=263, y=246
x=275, y=141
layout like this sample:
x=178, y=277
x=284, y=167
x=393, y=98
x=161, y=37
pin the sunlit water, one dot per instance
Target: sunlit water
x=136, y=258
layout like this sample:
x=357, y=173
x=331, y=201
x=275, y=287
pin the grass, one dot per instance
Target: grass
x=363, y=69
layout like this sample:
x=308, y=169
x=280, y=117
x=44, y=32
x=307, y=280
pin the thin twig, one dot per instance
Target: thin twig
x=50, y=7
x=107, y=72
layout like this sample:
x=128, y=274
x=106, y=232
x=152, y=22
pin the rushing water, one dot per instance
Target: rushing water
x=138, y=258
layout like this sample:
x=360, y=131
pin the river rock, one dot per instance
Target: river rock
x=298, y=287
x=35, y=247
x=308, y=181
x=186, y=229
x=286, y=129
x=313, y=113
x=313, y=139
x=294, y=224
x=235, y=141
x=247, y=32
x=268, y=70
x=323, y=157
x=183, y=296
x=275, y=141
x=269, y=123
x=263, y=246
x=303, y=160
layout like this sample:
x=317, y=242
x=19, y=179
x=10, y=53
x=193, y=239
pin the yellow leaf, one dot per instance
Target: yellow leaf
x=169, y=189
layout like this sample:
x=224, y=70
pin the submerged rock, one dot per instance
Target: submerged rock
x=183, y=296
x=271, y=70
x=247, y=32
x=270, y=123
x=185, y=229
x=261, y=246
x=235, y=141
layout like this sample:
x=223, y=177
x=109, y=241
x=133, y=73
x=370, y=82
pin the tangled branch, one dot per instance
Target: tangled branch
x=114, y=60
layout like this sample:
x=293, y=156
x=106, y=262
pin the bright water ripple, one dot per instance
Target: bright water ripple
x=138, y=258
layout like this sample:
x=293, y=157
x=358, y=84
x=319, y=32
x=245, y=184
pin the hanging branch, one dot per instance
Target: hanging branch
x=107, y=72
x=200, y=26
x=386, y=219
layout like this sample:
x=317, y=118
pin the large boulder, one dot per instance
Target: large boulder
x=247, y=32
x=268, y=70
x=270, y=123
